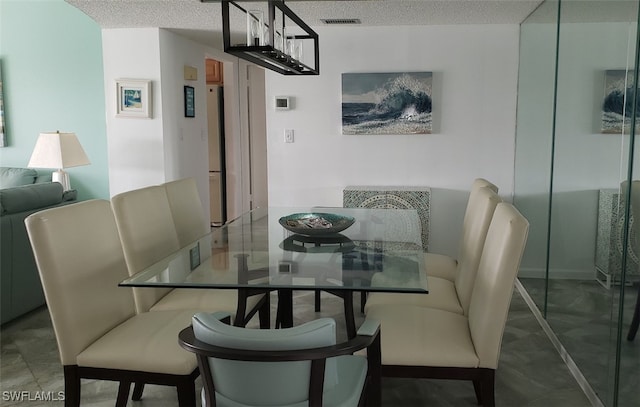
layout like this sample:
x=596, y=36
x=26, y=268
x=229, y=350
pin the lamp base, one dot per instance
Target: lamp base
x=61, y=177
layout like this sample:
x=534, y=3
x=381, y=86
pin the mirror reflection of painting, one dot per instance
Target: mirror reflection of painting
x=618, y=102
x=132, y=98
x=386, y=103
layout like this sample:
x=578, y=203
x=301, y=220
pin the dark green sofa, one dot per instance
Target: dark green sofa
x=22, y=192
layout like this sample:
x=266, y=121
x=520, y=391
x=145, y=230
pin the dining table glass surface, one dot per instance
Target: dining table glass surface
x=380, y=251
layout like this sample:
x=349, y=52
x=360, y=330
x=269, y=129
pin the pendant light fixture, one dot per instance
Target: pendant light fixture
x=274, y=38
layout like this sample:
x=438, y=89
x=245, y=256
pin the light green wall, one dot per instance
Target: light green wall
x=53, y=80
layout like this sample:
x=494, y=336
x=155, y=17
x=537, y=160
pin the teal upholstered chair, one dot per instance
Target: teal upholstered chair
x=299, y=366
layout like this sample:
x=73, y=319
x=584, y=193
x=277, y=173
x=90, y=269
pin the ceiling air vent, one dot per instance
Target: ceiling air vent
x=341, y=20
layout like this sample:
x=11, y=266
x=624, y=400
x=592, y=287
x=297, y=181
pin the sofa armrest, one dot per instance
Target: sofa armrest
x=27, y=197
x=70, y=195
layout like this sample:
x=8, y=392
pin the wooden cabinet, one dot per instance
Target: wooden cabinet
x=214, y=72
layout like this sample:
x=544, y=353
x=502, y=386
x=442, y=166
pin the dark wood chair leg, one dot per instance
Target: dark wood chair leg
x=350, y=320
x=123, y=394
x=241, y=308
x=477, y=386
x=264, y=313
x=138, y=388
x=487, y=388
x=186, y=393
x=71, y=386
x=363, y=300
x=317, y=300
x=635, y=322
x=374, y=363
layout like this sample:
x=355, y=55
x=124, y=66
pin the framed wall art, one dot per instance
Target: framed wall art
x=617, y=105
x=133, y=98
x=386, y=103
x=189, y=101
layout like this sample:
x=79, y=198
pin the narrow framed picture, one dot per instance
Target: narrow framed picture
x=133, y=98
x=189, y=101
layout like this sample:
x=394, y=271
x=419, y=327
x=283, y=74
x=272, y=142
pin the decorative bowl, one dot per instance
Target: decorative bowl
x=316, y=223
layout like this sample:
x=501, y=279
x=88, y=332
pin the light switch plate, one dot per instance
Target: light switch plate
x=288, y=136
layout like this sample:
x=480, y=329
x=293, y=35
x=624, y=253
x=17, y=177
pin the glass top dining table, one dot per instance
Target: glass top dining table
x=381, y=251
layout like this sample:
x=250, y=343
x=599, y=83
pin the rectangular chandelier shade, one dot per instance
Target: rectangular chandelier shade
x=277, y=39
x=58, y=150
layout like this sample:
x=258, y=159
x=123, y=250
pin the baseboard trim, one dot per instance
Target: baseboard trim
x=571, y=365
x=557, y=274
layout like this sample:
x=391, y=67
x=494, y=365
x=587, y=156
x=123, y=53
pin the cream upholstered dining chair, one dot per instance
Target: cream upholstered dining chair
x=99, y=334
x=443, y=266
x=191, y=225
x=453, y=296
x=635, y=211
x=186, y=210
x=298, y=366
x=148, y=234
x=421, y=342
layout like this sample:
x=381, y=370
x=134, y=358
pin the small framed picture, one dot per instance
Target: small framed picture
x=133, y=98
x=189, y=101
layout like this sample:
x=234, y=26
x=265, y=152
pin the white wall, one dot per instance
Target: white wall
x=475, y=78
x=475, y=71
x=135, y=145
x=475, y=81
x=168, y=146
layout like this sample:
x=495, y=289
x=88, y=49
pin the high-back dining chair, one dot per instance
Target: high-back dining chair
x=635, y=211
x=99, y=334
x=423, y=342
x=298, y=366
x=148, y=233
x=443, y=266
x=186, y=210
x=454, y=296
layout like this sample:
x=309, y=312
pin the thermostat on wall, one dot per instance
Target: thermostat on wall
x=282, y=103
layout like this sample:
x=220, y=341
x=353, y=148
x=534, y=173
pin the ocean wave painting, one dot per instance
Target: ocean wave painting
x=617, y=107
x=386, y=103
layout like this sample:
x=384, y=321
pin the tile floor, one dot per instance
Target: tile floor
x=583, y=317
x=530, y=374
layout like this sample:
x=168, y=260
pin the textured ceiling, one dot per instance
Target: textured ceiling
x=203, y=21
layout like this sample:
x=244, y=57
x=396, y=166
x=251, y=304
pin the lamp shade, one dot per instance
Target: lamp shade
x=57, y=150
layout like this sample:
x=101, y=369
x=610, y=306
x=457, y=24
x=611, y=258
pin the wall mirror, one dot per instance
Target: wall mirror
x=3, y=134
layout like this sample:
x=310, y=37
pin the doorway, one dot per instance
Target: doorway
x=236, y=115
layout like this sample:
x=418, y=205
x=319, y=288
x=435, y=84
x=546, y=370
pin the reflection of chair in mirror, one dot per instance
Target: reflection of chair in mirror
x=302, y=365
x=635, y=212
x=99, y=334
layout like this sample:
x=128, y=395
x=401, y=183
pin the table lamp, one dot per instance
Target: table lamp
x=58, y=150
